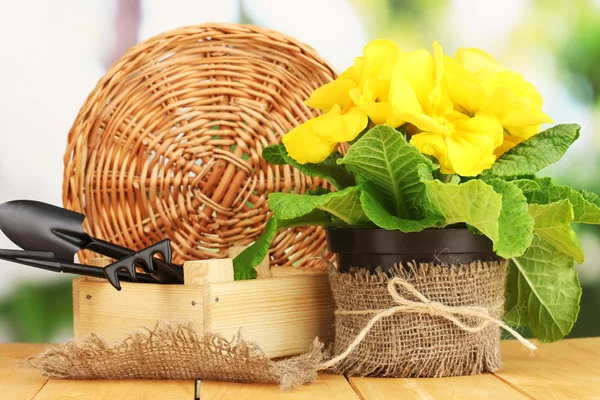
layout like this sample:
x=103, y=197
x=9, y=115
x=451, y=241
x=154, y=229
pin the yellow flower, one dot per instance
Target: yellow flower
x=359, y=93
x=477, y=83
x=364, y=85
x=373, y=100
x=336, y=92
x=341, y=126
x=419, y=94
x=304, y=145
x=317, y=138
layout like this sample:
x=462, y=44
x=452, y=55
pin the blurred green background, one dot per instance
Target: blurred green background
x=554, y=44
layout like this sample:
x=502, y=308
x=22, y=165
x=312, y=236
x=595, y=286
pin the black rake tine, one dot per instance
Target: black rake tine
x=143, y=257
x=111, y=272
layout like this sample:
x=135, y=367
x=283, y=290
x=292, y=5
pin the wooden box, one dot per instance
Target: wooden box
x=283, y=314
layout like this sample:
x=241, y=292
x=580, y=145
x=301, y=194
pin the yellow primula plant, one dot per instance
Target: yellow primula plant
x=436, y=141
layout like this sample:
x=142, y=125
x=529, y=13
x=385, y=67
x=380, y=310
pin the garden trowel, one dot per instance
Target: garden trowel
x=39, y=227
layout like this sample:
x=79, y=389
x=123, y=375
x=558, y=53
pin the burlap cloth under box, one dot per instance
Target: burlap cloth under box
x=416, y=344
x=175, y=351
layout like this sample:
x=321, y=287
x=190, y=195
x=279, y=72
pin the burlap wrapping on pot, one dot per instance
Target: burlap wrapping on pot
x=415, y=343
x=175, y=351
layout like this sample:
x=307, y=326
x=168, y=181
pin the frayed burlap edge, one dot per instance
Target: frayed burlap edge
x=176, y=351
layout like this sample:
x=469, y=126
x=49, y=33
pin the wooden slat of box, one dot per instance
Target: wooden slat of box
x=282, y=315
x=98, y=307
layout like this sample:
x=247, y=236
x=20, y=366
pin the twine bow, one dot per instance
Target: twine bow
x=423, y=305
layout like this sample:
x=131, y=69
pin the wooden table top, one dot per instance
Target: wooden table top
x=565, y=370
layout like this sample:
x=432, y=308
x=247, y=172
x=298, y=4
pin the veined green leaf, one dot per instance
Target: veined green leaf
x=473, y=202
x=344, y=205
x=498, y=210
x=272, y=155
x=590, y=197
x=244, y=263
x=526, y=185
x=543, y=291
x=377, y=213
x=384, y=158
x=327, y=169
x=553, y=223
x=585, y=209
x=515, y=225
x=536, y=153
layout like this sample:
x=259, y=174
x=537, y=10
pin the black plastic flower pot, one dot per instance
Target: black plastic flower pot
x=372, y=248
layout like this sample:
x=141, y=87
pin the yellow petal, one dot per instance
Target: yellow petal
x=524, y=117
x=470, y=154
x=514, y=101
x=524, y=133
x=440, y=103
x=424, y=122
x=305, y=146
x=402, y=95
x=509, y=142
x=472, y=142
x=412, y=82
x=338, y=128
x=475, y=60
x=373, y=101
x=481, y=126
x=465, y=90
x=379, y=59
x=332, y=93
x=418, y=70
x=354, y=72
x=434, y=144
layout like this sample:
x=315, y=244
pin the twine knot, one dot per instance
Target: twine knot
x=423, y=305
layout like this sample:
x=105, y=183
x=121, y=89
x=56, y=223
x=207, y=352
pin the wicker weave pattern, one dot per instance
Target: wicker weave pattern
x=169, y=142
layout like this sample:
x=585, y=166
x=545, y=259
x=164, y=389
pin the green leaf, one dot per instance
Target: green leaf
x=473, y=202
x=272, y=155
x=384, y=158
x=344, y=205
x=536, y=153
x=377, y=213
x=585, y=209
x=327, y=169
x=543, y=291
x=317, y=191
x=502, y=217
x=526, y=185
x=590, y=197
x=553, y=223
x=515, y=225
x=244, y=263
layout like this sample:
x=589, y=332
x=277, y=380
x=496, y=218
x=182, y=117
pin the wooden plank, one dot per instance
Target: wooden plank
x=282, y=315
x=117, y=390
x=290, y=271
x=460, y=387
x=19, y=380
x=330, y=387
x=569, y=369
x=263, y=270
x=98, y=307
x=205, y=271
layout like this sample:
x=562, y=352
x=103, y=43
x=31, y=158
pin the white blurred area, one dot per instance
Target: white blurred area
x=52, y=53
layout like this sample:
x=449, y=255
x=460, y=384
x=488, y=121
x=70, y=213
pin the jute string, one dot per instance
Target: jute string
x=423, y=306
